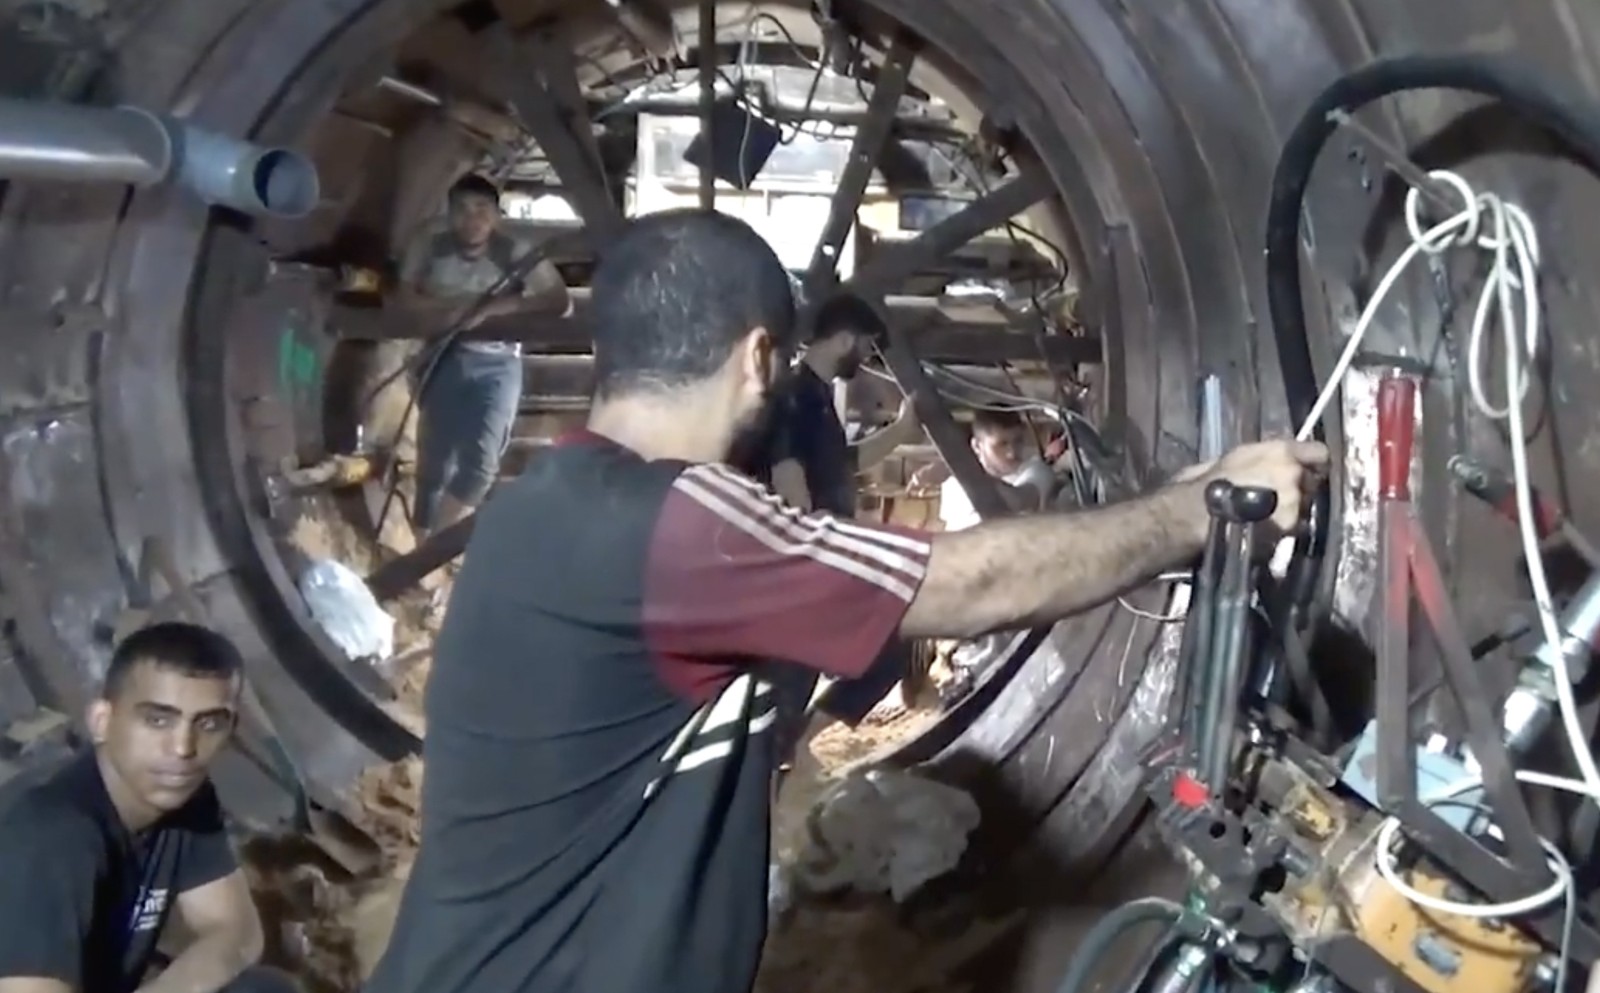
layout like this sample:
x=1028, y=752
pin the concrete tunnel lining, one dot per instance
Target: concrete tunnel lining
x=1161, y=169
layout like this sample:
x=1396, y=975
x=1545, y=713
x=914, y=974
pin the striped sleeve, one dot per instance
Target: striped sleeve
x=735, y=571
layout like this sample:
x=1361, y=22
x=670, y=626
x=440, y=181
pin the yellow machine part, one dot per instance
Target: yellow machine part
x=1443, y=953
x=356, y=279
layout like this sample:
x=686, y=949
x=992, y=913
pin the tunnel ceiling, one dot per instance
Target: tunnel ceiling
x=1157, y=126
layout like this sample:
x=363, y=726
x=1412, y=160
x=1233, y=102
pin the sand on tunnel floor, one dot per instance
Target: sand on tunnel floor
x=330, y=929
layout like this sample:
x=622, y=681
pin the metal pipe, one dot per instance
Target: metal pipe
x=65, y=142
x=410, y=91
x=1531, y=704
x=1187, y=972
x=708, y=99
x=1211, y=417
x=1233, y=648
x=1197, y=652
x=1199, y=659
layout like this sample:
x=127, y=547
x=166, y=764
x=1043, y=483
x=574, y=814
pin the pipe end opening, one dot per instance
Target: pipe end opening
x=285, y=183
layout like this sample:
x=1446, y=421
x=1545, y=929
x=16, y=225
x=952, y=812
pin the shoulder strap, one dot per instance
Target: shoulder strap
x=502, y=252
x=441, y=246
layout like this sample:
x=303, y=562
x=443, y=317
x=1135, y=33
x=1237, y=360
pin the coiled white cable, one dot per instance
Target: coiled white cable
x=1563, y=885
x=1514, y=244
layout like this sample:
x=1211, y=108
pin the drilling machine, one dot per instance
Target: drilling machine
x=1281, y=839
x=1405, y=861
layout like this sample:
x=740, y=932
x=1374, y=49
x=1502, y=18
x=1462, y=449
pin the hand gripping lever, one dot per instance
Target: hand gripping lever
x=1216, y=642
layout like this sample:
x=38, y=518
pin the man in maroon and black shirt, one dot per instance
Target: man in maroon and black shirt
x=595, y=809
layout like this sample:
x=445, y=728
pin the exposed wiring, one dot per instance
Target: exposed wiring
x=965, y=163
x=819, y=65
x=1514, y=244
x=1562, y=887
x=1511, y=238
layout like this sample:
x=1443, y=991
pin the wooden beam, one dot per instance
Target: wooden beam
x=538, y=102
x=404, y=572
x=865, y=150
x=939, y=337
x=905, y=361
x=893, y=264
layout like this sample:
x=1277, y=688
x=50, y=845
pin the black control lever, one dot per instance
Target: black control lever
x=1216, y=642
x=1240, y=504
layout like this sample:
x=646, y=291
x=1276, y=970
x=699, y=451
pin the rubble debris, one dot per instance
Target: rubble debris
x=884, y=830
x=346, y=611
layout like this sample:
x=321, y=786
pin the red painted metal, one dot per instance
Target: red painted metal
x=1189, y=792
x=1397, y=432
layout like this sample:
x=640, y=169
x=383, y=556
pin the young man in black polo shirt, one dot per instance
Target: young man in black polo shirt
x=595, y=809
x=95, y=855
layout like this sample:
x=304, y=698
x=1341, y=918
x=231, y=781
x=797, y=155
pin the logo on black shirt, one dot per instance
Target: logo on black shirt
x=148, y=911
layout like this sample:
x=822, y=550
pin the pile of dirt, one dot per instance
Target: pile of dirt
x=304, y=902
x=331, y=929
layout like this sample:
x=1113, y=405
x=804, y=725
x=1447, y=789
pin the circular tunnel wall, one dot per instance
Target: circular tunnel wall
x=1160, y=125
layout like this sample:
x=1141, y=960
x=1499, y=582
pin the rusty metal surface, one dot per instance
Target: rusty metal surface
x=1158, y=124
x=185, y=488
x=100, y=432
x=1185, y=104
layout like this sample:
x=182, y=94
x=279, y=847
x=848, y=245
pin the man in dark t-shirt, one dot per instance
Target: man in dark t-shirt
x=599, y=755
x=807, y=458
x=96, y=854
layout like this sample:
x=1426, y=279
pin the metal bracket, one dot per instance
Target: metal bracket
x=1409, y=570
x=942, y=429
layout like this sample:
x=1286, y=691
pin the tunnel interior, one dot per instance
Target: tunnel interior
x=176, y=367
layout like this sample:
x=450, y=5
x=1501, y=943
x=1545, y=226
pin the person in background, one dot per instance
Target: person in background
x=469, y=403
x=96, y=854
x=596, y=815
x=1008, y=453
x=807, y=458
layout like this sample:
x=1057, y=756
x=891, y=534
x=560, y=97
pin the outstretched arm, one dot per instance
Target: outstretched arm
x=1026, y=571
x=736, y=572
x=881, y=444
x=227, y=938
x=1019, y=572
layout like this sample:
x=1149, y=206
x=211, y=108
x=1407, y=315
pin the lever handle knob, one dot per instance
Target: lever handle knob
x=1240, y=504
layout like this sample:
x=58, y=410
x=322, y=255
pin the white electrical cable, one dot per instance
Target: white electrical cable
x=1512, y=239
x=1563, y=886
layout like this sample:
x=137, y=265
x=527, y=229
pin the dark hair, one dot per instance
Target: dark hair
x=676, y=292
x=474, y=185
x=844, y=312
x=189, y=649
x=996, y=421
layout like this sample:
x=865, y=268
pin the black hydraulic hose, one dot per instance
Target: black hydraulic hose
x=1554, y=107
x=1099, y=938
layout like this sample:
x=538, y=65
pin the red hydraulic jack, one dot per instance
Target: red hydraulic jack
x=1407, y=569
